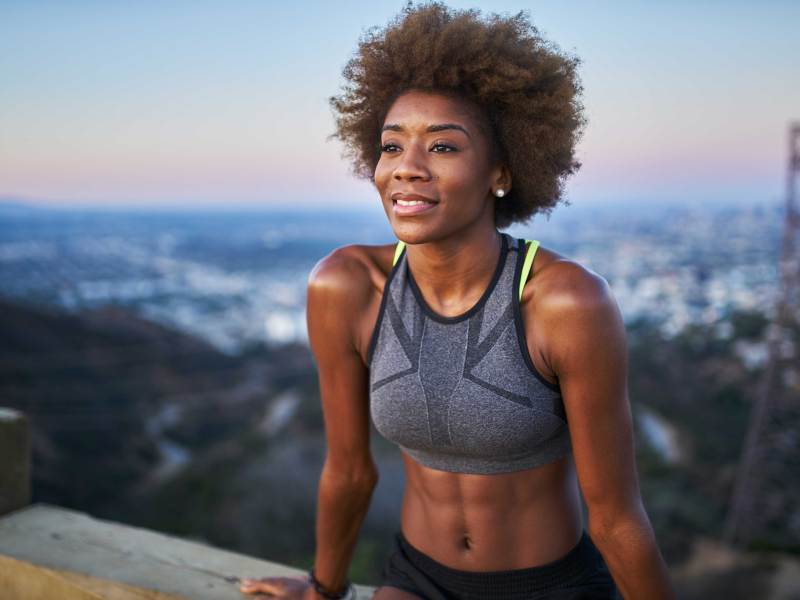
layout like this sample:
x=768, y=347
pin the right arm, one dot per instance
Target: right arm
x=339, y=289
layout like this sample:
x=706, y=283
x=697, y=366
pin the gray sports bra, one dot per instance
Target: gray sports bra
x=461, y=393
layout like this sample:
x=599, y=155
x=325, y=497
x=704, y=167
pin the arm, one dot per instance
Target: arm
x=588, y=352
x=339, y=288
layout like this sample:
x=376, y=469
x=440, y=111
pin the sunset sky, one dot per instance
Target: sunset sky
x=204, y=103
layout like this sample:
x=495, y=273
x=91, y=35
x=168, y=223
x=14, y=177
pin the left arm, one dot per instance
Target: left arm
x=588, y=352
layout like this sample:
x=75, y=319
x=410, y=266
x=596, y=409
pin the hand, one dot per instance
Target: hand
x=294, y=588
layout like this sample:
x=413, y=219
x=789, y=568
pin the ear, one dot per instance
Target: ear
x=500, y=178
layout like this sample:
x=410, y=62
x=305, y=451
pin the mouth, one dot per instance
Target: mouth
x=408, y=199
x=411, y=204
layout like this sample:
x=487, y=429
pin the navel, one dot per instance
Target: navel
x=466, y=542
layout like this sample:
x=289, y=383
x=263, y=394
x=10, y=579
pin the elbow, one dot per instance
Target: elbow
x=355, y=477
x=620, y=525
x=368, y=478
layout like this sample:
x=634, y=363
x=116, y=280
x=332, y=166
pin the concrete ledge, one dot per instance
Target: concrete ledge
x=88, y=556
x=25, y=581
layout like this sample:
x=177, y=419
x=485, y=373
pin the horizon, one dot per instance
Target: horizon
x=16, y=206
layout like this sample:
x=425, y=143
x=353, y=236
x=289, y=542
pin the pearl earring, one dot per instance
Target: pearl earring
x=499, y=193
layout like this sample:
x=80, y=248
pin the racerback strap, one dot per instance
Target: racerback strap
x=400, y=245
x=531, y=245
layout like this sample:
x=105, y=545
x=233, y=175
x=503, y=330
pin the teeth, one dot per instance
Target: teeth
x=411, y=202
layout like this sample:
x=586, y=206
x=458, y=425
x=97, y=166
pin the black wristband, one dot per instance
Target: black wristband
x=326, y=593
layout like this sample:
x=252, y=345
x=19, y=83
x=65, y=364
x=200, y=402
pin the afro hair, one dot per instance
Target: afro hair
x=527, y=90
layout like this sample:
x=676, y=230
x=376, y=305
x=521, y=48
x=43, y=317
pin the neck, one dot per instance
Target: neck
x=453, y=273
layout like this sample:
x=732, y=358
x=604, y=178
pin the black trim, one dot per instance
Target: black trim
x=522, y=248
x=520, y=399
x=478, y=305
x=376, y=329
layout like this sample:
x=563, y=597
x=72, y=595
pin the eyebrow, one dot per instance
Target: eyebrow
x=430, y=128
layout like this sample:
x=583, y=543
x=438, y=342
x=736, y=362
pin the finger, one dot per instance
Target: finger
x=260, y=595
x=253, y=586
x=272, y=585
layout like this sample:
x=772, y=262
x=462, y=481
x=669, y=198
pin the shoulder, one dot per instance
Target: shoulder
x=572, y=306
x=564, y=284
x=343, y=285
x=351, y=271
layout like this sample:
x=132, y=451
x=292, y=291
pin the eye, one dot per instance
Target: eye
x=448, y=148
x=443, y=145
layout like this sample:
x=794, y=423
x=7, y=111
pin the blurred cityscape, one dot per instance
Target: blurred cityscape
x=239, y=278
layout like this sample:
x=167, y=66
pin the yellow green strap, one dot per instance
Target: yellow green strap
x=532, y=246
x=397, y=251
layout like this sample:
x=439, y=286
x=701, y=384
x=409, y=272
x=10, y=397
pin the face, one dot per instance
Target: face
x=432, y=148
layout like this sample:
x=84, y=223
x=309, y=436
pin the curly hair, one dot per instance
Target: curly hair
x=526, y=90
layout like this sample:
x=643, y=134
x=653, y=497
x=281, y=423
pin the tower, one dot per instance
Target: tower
x=766, y=497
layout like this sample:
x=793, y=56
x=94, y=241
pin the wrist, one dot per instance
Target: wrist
x=350, y=594
x=346, y=592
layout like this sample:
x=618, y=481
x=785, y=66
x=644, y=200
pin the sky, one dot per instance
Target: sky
x=204, y=104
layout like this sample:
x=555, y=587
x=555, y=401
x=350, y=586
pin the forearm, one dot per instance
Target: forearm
x=342, y=504
x=629, y=549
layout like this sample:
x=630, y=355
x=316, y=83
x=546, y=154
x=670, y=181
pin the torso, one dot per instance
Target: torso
x=484, y=522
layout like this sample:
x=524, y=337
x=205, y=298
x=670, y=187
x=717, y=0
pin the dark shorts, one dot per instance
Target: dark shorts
x=581, y=574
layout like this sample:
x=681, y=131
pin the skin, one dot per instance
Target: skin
x=575, y=336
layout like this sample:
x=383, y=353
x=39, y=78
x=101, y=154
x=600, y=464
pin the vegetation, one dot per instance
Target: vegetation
x=93, y=383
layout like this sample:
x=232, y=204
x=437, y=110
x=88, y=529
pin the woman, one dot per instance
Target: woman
x=502, y=379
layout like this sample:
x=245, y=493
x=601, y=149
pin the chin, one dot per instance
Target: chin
x=412, y=233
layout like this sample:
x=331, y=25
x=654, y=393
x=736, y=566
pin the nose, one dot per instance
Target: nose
x=412, y=164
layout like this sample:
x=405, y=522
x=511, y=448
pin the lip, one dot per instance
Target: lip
x=400, y=210
x=405, y=196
